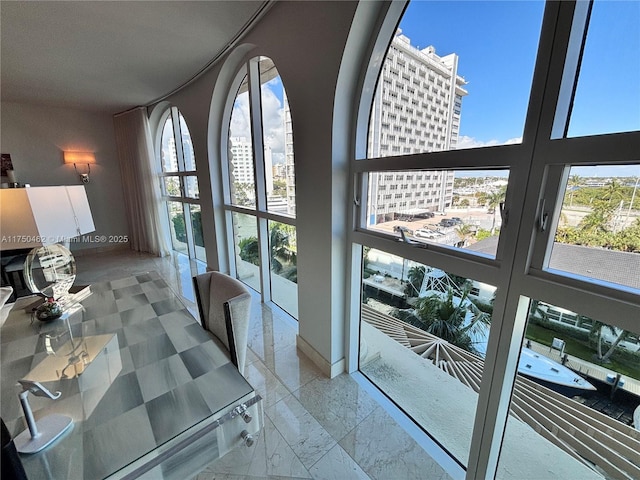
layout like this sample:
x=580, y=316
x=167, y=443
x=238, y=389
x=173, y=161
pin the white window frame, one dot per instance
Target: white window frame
x=251, y=69
x=540, y=163
x=174, y=113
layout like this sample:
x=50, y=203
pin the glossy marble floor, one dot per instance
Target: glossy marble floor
x=315, y=427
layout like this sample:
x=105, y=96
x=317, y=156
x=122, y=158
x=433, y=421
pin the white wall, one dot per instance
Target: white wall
x=36, y=136
x=307, y=55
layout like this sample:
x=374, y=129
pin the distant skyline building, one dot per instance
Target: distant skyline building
x=290, y=175
x=169, y=148
x=279, y=171
x=243, y=169
x=268, y=168
x=416, y=109
x=171, y=154
x=242, y=154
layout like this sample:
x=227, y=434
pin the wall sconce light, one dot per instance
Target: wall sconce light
x=81, y=157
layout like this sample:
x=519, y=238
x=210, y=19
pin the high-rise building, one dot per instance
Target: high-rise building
x=241, y=150
x=242, y=154
x=416, y=109
x=169, y=154
x=290, y=175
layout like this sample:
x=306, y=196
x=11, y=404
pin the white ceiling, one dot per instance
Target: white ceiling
x=111, y=55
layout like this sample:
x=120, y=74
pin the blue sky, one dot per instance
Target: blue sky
x=497, y=43
x=608, y=94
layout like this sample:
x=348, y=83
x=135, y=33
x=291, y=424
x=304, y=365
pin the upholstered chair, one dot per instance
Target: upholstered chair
x=224, y=304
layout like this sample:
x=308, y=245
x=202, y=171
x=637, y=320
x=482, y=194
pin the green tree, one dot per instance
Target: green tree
x=481, y=234
x=574, y=182
x=283, y=257
x=416, y=277
x=280, y=188
x=172, y=186
x=451, y=319
x=196, y=221
x=281, y=252
x=598, y=228
x=493, y=202
x=627, y=240
x=244, y=194
x=179, y=227
x=365, y=257
x=536, y=310
x=465, y=232
x=249, y=250
x=597, y=331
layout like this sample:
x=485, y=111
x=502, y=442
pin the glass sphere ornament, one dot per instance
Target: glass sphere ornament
x=50, y=270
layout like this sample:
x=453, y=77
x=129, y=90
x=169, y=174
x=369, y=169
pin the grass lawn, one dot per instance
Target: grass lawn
x=579, y=349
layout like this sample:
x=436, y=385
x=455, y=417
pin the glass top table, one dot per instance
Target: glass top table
x=143, y=382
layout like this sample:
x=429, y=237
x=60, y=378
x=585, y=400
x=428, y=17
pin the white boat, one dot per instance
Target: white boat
x=539, y=367
x=636, y=418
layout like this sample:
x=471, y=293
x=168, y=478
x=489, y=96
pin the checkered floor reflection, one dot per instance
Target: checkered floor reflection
x=173, y=375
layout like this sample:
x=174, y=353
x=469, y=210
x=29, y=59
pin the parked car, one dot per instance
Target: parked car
x=424, y=233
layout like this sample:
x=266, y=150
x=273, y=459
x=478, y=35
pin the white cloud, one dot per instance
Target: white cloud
x=272, y=121
x=240, y=121
x=471, y=142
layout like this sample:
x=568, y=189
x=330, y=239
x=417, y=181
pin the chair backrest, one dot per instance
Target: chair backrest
x=224, y=304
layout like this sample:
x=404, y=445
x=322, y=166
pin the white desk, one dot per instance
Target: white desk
x=159, y=396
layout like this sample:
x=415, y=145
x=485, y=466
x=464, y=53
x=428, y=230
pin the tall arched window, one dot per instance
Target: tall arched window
x=260, y=189
x=179, y=185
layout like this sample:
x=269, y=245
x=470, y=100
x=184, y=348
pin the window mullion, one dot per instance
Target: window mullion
x=548, y=213
x=257, y=134
x=510, y=309
x=188, y=227
x=265, y=258
x=175, y=122
x=255, y=109
x=612, y=306
x=567, y=87
x=563, y=69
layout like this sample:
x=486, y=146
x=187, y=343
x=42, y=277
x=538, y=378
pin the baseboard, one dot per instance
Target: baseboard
x=328, y=369
x=81, y=252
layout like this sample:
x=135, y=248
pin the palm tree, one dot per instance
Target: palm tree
x=596, y=331
x=536, y=310
x=621, y=336
x=365, y=257
x=281, y=253
x=494, y=200
x=279, y=242
x=465, y=231
x=574, y=182
x=615, y=195
x=416, y=277
x=249, y=250
x=614, y=192
x=451, y=320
